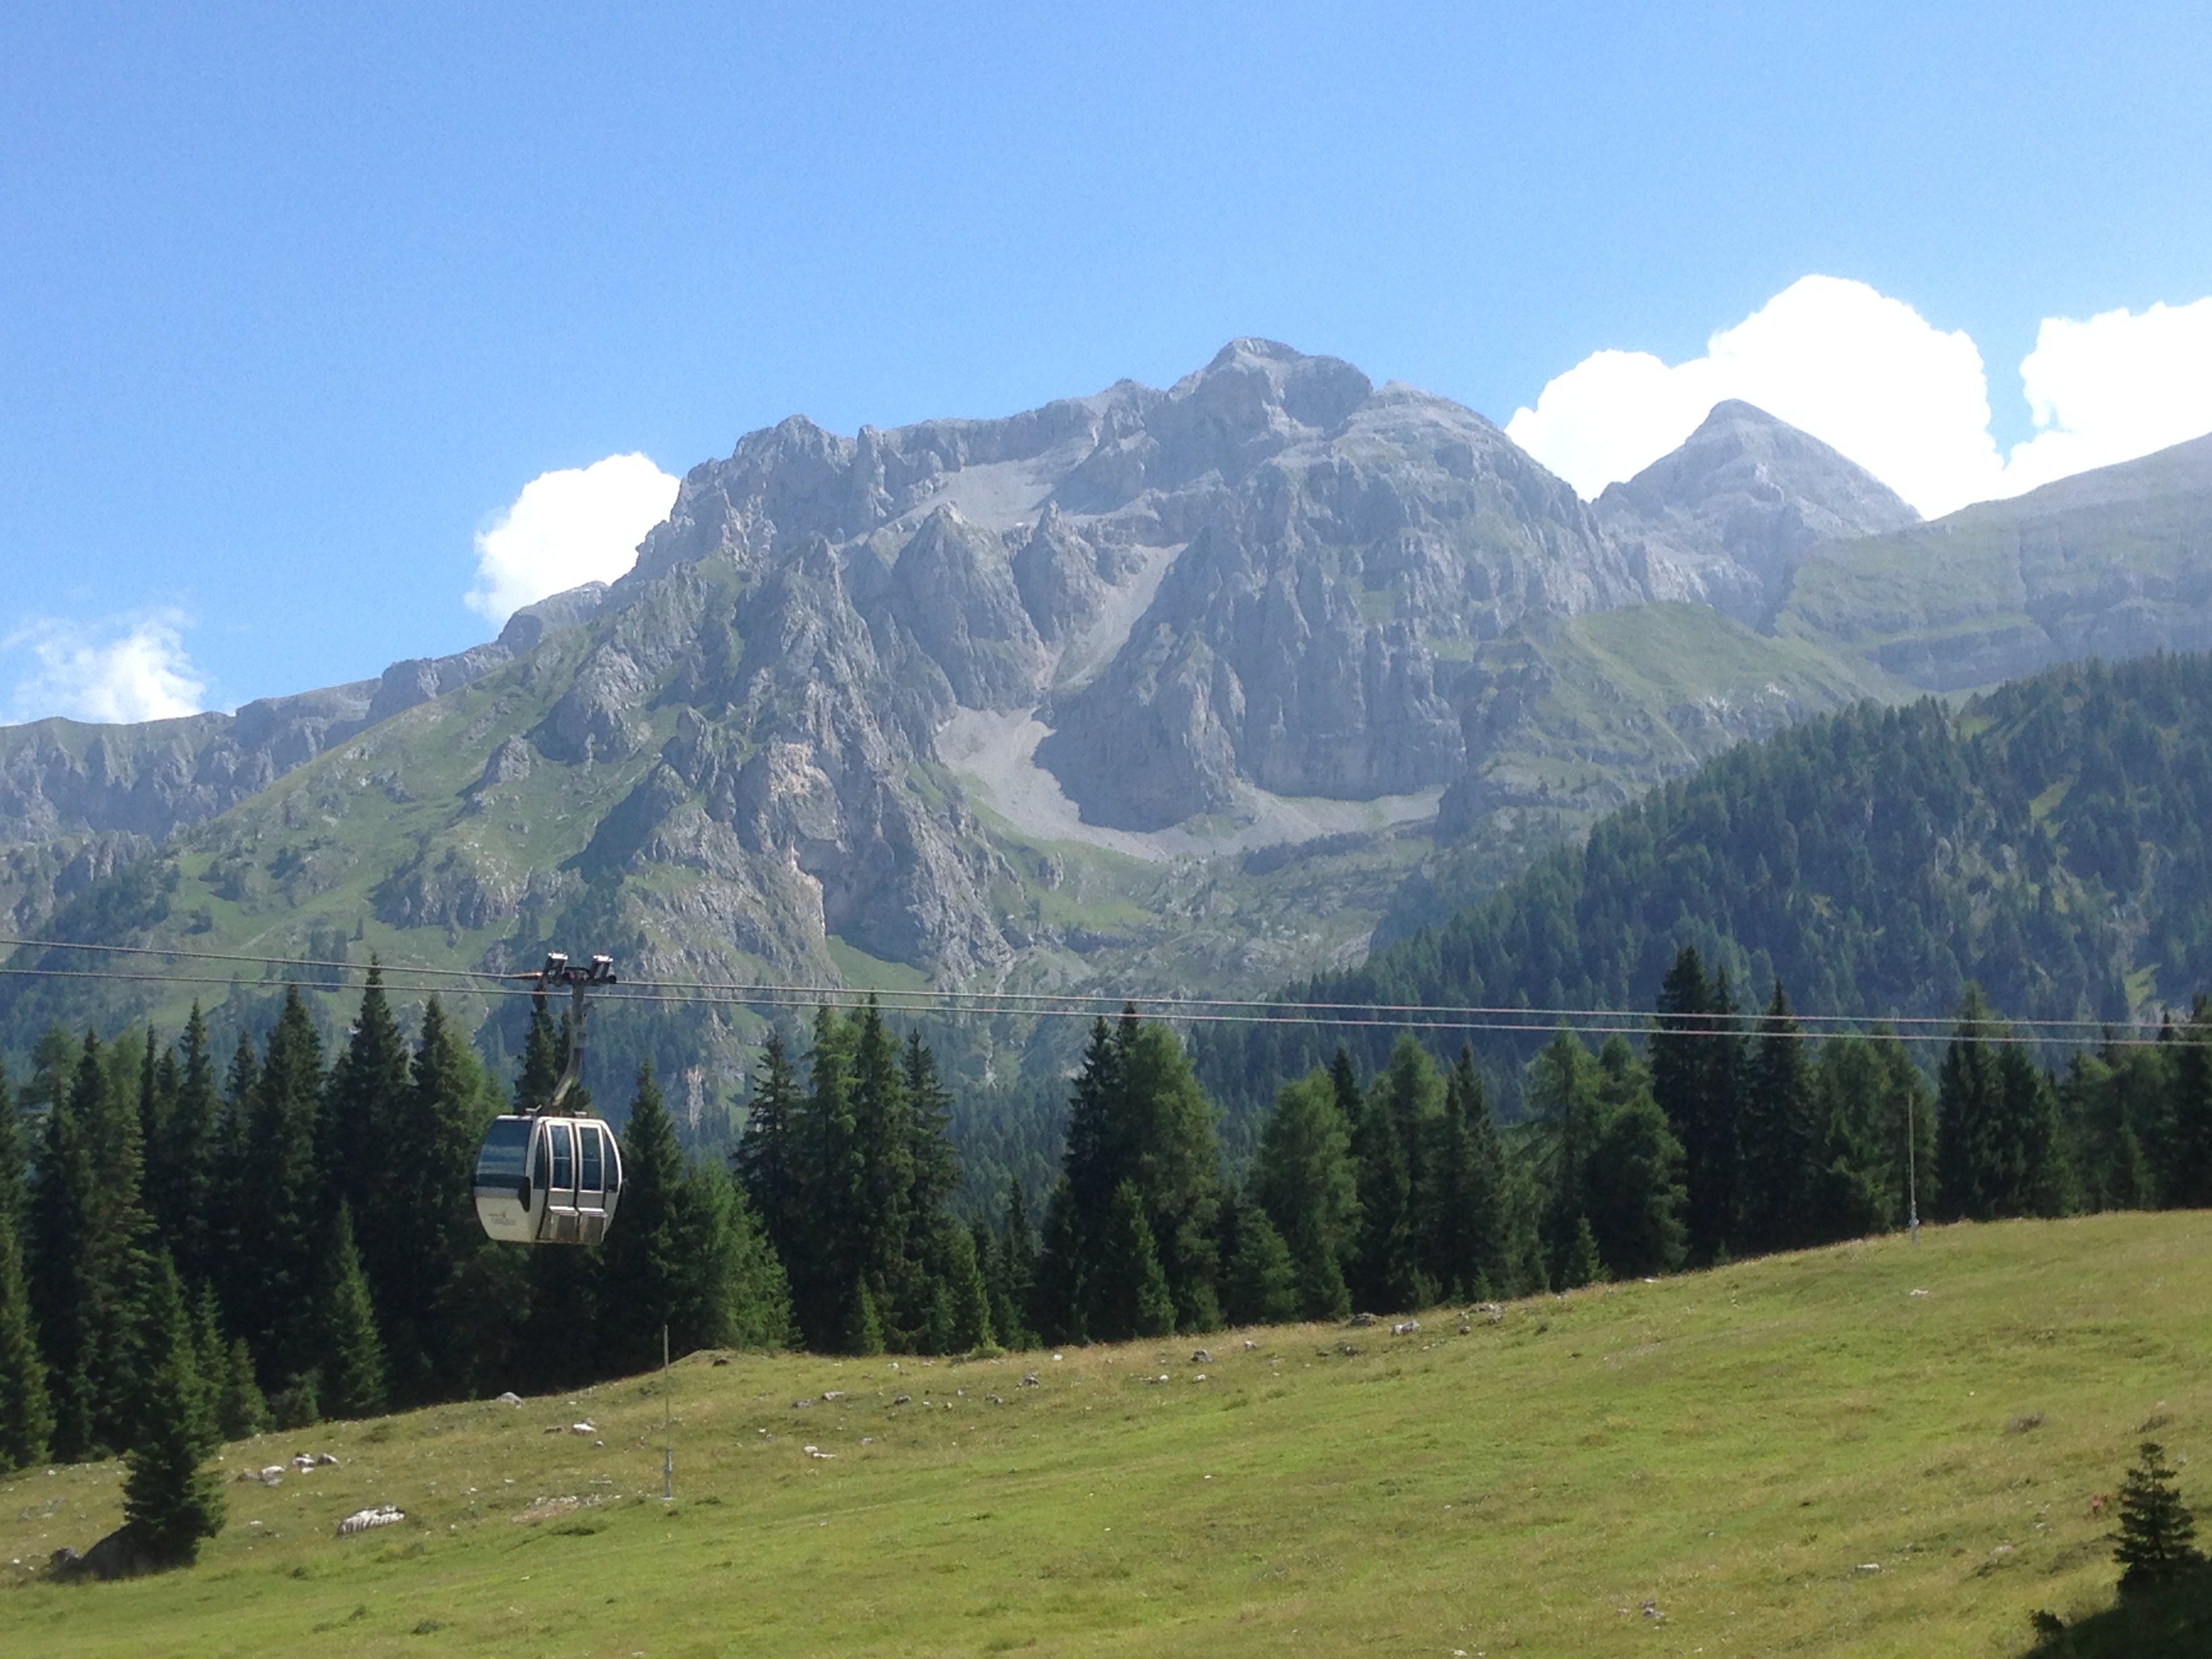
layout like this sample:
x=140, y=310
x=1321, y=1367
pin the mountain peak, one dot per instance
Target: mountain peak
x=1726, y=518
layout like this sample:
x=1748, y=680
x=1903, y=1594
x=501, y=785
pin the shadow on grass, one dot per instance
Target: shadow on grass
x=2174, y=1623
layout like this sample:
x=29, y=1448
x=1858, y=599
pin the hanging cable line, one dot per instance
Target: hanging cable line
x=1071, y=1003
x=1620, y=1021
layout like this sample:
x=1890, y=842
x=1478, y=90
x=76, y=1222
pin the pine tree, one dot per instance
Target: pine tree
x=1138, y=1117
x=236, y=1211
x=368, y=1154
x=181, y=1177
x=1134, y=1299
x=1386, y=1263
x=241, y=1409
x=1263, y=1281
x=864, y=1332
x=1014, y=1280
x=431, y=1235
x=764, y=1159
x=26, y=1418
x=168, y=1505
x=642, y=1260
x=1563, y=1091
x=2156, y=1545
x=882, y=1226
x=1634, y=1188
x=1689, y=1064
x=1582, y=1265
x=1969, y=1109
x=353, y=1367
x=284, y=1189
x=2188, y=1161
x=1780, y=1143
x=92, y=1264
x=1303, y=1179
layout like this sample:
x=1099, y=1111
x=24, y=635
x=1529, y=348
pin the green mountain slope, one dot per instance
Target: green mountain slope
x=2110, y=563
x=2046, y=839
x=1882, y=1448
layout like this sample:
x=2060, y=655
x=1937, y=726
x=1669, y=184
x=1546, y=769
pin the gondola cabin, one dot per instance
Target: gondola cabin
x=547, y=1180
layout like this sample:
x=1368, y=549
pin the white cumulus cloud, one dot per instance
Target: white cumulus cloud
x=2114, y=387
x=131, y=668
x=578, y=525
x=1867, y=373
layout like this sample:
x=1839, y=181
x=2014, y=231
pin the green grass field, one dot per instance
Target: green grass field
x=1798, y=1455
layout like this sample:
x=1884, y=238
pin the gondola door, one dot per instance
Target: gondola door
x=559, y=1225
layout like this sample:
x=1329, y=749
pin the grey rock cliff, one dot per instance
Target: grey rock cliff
x=1726, y=518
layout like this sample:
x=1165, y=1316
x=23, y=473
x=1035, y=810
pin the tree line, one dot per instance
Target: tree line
x=191, y=1253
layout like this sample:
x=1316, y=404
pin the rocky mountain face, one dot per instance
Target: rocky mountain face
x=1726, y=518
x=1158, y=687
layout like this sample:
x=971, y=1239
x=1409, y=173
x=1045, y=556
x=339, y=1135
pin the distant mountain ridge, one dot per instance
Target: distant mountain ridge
x=1021, y=702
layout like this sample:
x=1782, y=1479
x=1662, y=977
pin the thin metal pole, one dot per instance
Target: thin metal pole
x=1911, y=1175
x=667, y=1425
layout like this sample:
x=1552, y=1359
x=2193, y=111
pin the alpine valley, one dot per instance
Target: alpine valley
x=1200, y=690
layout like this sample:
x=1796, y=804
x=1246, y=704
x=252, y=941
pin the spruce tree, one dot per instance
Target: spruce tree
x=1563, y=1089
x=1134, y=1298
x=1582, y=1264
x=1137, y=1117
x=2156, y=1545
x=1385, y=1260
x=285, y=1189
x=882, y=1226
x=168, y=1504
x=181, y=1180
x=236, y=1218
x=864, y=1332
x=1303, y=1179
x=1013, y=1288
x=642, y=1260
x=431, y=1235
x=365, y=1147
x=764, y=1159
x=1969, y=1109
x=2188, y=1161
x=353, y=1364
x=241, y=1409
x=1263, y=1281
x=27, y=1420
x=1781, y=1145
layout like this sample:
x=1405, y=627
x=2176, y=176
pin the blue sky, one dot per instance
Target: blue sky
x=294, y=304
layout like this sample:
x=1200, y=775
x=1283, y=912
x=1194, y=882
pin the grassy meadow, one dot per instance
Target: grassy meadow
x=1877, y=1448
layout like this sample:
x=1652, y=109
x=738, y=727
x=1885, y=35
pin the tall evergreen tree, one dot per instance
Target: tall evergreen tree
x=765, y=1158
x=430, y=1234
x=2156, y=1544
x=1387, y=1268
x=168, y=1504
x=642, y=1260
x=1632, y=1183
x=2000, y=1144
x=1138, y=1116
x=363, y=1148
x=284, y=1189
x=352, y=1370
x=1782, y=1144
x=1686, y=1078
x=93, y=1253
x=1303, y=1179
x=2188, y=1150
x=237, y=1216
x=1013, y=1287
x=1563, y=1091
x=27, y=1421
x=1263, y=1281
x=182, y=1163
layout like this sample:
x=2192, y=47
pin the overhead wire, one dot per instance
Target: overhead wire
x=1172, y=1005
x=1201, y=1012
